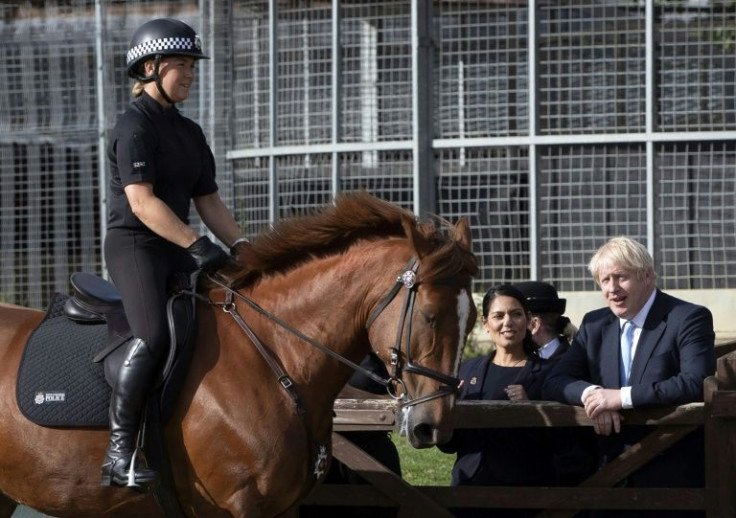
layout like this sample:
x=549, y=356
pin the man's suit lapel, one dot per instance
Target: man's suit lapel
x=654, y=326
x=611, y=354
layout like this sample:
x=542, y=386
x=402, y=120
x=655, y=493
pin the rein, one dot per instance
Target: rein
x=284, y=380
x=407, y=280
x=229, y=307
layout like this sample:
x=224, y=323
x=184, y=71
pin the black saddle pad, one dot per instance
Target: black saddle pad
x=58, y=384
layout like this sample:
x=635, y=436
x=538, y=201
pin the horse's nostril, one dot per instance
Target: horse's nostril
x=425, y=434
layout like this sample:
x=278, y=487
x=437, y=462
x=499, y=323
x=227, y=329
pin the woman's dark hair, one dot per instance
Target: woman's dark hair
x=530, y=348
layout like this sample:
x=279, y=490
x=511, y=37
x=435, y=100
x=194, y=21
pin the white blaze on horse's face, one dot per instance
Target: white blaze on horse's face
x=463, y=314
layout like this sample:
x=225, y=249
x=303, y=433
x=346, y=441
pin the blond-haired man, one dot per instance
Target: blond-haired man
x=645, y=349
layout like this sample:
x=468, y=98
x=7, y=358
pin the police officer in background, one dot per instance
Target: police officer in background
x=551, y=330
x=160, y=163
x=574, y=447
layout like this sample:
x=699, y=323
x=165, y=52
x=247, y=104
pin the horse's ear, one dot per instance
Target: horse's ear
x=462, y=234
x=416, y=239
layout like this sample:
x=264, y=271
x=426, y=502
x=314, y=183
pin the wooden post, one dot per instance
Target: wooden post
x=720, y=439
x=711, y=447
x=726, y=372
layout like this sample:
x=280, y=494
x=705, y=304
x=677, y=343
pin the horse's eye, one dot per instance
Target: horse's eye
x=430, y=319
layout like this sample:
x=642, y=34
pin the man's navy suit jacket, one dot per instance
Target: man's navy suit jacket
x=675, y=353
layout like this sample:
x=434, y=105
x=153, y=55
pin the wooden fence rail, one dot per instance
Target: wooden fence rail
x=669, y=424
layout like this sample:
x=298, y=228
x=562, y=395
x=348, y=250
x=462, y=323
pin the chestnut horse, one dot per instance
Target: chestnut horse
x=250, y=432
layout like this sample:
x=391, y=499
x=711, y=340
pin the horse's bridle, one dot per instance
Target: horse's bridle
x=407, y=280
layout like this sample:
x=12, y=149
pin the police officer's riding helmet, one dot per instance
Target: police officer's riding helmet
x=161, y=37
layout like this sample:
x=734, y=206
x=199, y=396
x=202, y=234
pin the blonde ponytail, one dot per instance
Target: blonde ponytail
x=137, y=89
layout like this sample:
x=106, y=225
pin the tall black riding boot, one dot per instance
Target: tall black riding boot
x=126, y=406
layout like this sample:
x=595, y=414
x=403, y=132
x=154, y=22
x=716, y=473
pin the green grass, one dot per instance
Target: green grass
x=427, y=467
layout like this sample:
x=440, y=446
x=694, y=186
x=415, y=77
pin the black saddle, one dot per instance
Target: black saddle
x=93, y=299
x=97, y=301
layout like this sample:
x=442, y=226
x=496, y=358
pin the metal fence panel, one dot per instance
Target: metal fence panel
x=620, y=143
x=482, y=76
x=695, y=205
x=588, y=193
x=591, y=60
x=696, y=67
x=490, y=186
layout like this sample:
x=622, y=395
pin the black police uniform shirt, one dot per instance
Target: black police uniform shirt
x=157, y=145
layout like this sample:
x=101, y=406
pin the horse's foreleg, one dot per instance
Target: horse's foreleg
x=7, y=507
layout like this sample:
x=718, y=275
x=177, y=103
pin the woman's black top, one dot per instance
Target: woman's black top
x=502, y=456
x=157, y=145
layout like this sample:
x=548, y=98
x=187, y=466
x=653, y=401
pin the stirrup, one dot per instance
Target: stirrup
x=131, y=470
x=130, y=478
x=153, y=477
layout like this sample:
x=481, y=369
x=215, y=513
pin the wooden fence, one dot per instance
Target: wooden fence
x=669, y=424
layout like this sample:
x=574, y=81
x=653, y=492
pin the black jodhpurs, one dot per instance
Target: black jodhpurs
x=140, y=265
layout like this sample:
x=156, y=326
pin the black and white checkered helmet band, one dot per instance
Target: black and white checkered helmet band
x=165, y=46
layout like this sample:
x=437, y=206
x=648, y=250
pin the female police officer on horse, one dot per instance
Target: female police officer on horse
x=160, y=162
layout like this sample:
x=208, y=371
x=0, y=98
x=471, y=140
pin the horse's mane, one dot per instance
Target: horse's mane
x=332, y=229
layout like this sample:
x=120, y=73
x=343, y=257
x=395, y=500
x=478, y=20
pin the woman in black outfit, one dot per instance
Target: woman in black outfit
x=514, y=371
x=160, y=162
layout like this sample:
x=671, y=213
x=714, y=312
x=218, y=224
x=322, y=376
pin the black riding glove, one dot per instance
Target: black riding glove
x=207, y=255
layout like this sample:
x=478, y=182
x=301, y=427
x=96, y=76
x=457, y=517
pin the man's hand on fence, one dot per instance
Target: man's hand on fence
x=602, y=407
x=607, y=422
x=600, y=400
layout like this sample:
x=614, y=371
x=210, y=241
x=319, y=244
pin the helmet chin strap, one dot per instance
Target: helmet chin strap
x=155, y=77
